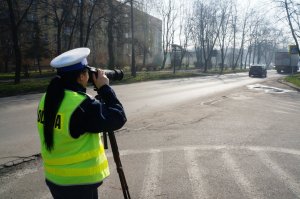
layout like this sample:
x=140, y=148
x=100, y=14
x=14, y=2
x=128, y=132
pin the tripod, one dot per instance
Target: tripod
x=116, y=154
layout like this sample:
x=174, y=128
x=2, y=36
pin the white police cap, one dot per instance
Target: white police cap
x=71, y=60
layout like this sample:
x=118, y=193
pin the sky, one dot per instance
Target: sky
x=266, y=7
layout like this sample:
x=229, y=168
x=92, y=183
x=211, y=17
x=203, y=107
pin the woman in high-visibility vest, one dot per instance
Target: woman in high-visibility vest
x=69, y=124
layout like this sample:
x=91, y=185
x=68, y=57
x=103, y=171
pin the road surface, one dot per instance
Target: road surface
x=214, y=137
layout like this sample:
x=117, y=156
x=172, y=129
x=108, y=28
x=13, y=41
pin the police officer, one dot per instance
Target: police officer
x=69, y=125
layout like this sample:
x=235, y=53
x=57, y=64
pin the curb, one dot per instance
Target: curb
x=18, y=161
x=289, y=84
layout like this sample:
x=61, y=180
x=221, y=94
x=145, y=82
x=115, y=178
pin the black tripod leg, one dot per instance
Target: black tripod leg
x=116, y=154
x=105, y=140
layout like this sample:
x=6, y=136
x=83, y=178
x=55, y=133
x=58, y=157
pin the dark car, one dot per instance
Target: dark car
x=258, y=71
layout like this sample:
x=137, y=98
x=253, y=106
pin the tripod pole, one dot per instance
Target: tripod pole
x=116, y=154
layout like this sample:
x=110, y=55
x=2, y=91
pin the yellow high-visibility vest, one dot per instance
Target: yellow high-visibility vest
x=72, y=161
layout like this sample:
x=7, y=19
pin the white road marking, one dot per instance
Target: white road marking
x=210, y=147
x=268, y=89
x=286, y=178
x=152, y=176
x=195, y=174
x=281, y=112
x=286, y=103
x=284, y=107
x=242, y=181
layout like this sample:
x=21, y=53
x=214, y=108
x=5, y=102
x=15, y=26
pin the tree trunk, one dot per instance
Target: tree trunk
x=89, y=26
x=253, y=53
x=81, y=23
x=233, y=53
x=291, y=25
x=242, y=54
x=6, y=65
x=245, y=63
x=72, y=31
x=250, y=52
x=133, y=68
x=14, y=29
x=58, y=50
x=164, y=60
x=259, y=54
x=222, y=60
x=110, y=43
x=39, y=65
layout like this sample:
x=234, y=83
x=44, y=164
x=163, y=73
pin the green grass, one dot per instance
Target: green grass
x=34, y=84
x=32, y=74
x=150, y=76
x=25, y=87
x=37, y=85
x=294, y=79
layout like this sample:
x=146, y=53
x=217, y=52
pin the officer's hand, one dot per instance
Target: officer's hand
x=101, y=79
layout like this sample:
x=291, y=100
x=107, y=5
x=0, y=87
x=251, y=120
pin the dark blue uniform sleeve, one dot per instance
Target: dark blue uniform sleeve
x=103, y=114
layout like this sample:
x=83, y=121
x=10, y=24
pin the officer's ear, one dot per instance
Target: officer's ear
x=80, y=78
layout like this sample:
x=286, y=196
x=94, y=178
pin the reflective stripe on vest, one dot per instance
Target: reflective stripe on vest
x=75, y=158
x=72, y=161
x=77, y=171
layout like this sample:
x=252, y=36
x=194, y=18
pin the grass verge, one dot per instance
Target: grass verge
x=25, y=87
x=294, y=79
x=37, y=85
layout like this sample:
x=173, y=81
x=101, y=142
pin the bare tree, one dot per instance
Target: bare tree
x=244, y=32
x=245, y=29
x=73, y=25
x=111, y=18
x=208, y=21
x=6, y=43
x=82, y=6
x=142, y=23
x=133, y=66
x=109, y=29
x=59, y=12
x=185, y=29
x=90, y=14
x=115, y=25
x=37, y=47
x=234, y=30
x=254, y=36
x=16, y=16
x=224, y=36
x=168, y=13
x=289, y=5
x=291, y=13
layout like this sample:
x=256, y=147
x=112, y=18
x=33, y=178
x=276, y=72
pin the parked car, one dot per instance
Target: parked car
x=258, y=71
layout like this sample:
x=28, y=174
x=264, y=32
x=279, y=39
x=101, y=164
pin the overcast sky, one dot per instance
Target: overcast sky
x=267, y=8
x=263, y=6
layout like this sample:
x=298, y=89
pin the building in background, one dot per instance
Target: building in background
x=53, y=27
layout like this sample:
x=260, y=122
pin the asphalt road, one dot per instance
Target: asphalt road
x=18, y=130
x=214, y=137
